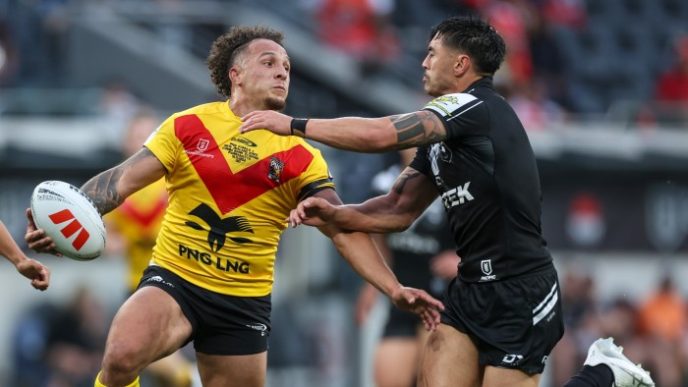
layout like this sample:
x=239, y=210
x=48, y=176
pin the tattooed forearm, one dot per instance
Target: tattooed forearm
x=102, y=189
x=418, y=128
x=404, y=178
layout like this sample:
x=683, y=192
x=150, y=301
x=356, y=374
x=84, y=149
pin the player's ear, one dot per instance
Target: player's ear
x=462, y=64
x=234, y=74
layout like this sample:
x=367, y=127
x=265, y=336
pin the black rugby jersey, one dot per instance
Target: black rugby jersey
x=488, y=181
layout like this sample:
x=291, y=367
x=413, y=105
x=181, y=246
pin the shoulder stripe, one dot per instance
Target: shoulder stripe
x=447, y=104
x=311, y=188
x=464, y=109
x=236, y=189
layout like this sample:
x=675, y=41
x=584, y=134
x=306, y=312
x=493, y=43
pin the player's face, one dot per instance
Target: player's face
x=265, y=74
x=438, y=65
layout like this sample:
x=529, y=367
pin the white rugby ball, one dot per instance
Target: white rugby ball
x=69, y=217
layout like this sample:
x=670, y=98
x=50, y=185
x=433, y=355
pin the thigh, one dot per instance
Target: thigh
x=449, y=359
x=232, y=370
x=396, y=362
x=148, y=326
x=505, y=377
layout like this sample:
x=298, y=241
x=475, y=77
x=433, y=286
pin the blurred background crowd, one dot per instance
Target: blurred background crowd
x=601, y=87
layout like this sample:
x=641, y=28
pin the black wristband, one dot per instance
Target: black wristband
x=298, y=126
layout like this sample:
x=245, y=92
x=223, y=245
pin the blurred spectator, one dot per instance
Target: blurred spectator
x=671, y=90
x=9, y=59
x=360, y=28
x=75, y=341
x=512, y=18
x=118, y=102
x=40, y=28
x=60, y=346
x=662, y=320
x=533, y=106
x=569, y=13
x=672, y=86
x=663, y=314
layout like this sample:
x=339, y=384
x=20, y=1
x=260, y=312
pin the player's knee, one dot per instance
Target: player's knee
x=122, y=360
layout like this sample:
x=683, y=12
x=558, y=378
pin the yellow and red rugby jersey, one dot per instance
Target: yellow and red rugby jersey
x=138, y=222
x=230, y=194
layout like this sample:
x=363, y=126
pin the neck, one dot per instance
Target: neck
x=464, y=82
x=240, y=107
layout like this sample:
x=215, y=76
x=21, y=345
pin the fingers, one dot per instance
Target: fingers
x=38, y=241
x=294, y=219
x=42, y=279
x=31, y=225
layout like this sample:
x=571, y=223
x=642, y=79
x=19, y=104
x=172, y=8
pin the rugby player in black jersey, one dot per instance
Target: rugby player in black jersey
x=503, y=312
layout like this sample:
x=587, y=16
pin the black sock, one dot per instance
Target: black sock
x=597, y=376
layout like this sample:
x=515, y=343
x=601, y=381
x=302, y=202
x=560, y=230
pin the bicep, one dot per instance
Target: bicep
x=418, y=128
x=140, y=170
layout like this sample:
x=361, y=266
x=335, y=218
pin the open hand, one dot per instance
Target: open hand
x=421, y=303
x=266, y=119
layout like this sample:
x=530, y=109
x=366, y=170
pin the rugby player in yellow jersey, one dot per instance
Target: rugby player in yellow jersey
x=211, y=273
x=132, y=230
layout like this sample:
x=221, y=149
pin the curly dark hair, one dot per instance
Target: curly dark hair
x=476, y=38
x=227, y=47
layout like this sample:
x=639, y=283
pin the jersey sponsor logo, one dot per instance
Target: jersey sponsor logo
x=244, y=140
x=512, y=359
x=219, y=263
x=262, y=328
x=448, y=104
x=201, y=148
x=239, y=153
x=457, y=196
x=218, y=176
x=72, y=228
x=219, y=227
x=486, y=268
x=159, y=279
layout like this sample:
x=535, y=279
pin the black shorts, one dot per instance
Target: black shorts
x=514, y=323
x=401, y=323
x=222, y=324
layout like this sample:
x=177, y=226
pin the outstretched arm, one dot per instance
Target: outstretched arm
x=361, y=253
x=29, y=268
x=355, y=133
x=410, y=195
x=107, y=190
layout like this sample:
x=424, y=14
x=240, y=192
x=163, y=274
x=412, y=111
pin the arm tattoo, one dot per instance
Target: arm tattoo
x=102, y=189
x=417, y=128
x=405, y=176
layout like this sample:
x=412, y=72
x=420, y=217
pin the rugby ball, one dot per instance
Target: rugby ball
x=69, y=217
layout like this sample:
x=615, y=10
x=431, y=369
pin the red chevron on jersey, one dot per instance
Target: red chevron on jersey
x=141, y=216
x=209, y=162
